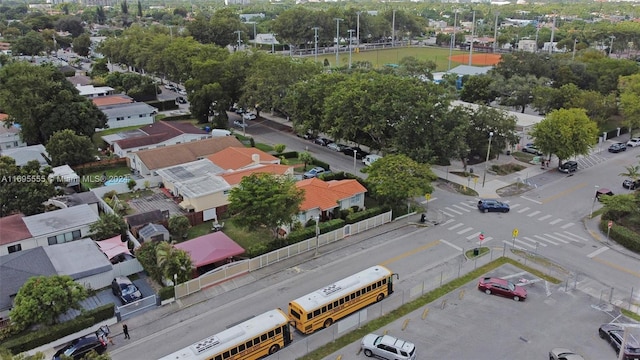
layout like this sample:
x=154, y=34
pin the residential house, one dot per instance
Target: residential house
x=90, y=91
x=149, y=161
x=82, y=260
x=53, y=227
x=241, y=158
x=110, y=100
x=22, y=155
x=132, y=114
x=153, y=232
x=9, y=136
x=75, y=199
x=64, y=175
x=159, y=134
x=326, y=198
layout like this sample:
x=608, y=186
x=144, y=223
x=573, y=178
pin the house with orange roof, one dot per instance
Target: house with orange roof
x=326, y=198
x=112, y=100
x=238, y=158
x=202, y=186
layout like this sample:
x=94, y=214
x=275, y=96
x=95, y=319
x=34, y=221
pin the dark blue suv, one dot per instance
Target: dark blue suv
x=492, y=206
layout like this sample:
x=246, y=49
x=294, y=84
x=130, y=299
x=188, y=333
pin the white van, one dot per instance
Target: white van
x=370, y=159
x=220, y=132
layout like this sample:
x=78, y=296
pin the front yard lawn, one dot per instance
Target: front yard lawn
x=241, y=236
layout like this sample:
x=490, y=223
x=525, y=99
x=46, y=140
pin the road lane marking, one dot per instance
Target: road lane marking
x=411, y=252
x=524, y=243
x=617, y=267
x=470, y=206
x=514, y=206
x=556, y=238
x=447, y=222
x=473, y=235
x=566, y=237
x=523, y=210
x=447, y=214
x=514, y=275
x=461, y=208
x=555, y=221
x=535, y=201
x=452, y=245
x=456, y=226
x=428, y=201
x=567, y=226
x=487, y=239
x=534, y=241
x=544, y=217
x=534, y=213
x=545, y=239
x=562, y=193
x=453, y=211
x=576, y=236
x=597, y=252
x=465, y=230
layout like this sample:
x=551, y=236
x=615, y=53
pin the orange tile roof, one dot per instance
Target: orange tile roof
x=326, y=194
x=233, y=158
x=111, y=100
x=166, y=156
x=3, y=117
x=234, y=178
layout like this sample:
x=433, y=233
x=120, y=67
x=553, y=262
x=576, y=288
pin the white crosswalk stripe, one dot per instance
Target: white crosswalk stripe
x=453, y=211
x=447, y=214
x=556, y=238
x=566, y=237
x=566, y=226
x=514, y=206
x=470, y=206
x=555, y=221
x=447, y=222
x=487, y=239
x=534, y=241
x=534, y=213
x=463, y=231
x=576, y=236
x=545, y=239
x=456, y=226
x=523, y=210
x=474, y=236
x=544, y=218
x=461, y=208
x=523, y=243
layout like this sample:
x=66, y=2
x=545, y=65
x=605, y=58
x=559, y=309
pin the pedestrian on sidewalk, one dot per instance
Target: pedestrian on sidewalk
x=125, y=331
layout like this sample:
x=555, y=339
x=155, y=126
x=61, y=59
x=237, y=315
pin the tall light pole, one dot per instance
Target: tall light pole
x=537, y=32
x=239, y=40
x=355, y=152
x=573, y=57
x=358, y=30
x=273, y=43
x=611, y=44
x=315, y=37
x=338, y=41
x=317, y=234
x=350, y=31
x=450, y=50
x=495, y=34
x=393, y=30
x=486, y=163
x=553, y=32
x=473, y=34
x=594, y=201
x=453, y=41
x=254, y=33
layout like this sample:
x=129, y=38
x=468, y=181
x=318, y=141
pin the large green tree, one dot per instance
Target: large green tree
x=517, y=91
x=565, y=133
x=264, y=199
x=30, y=44
x=219, y=28
x=82, y=45
x=178, y=227
x=173, y=262
x=630, y=101
x=65, y=147
x=42, y=299
x=42, y=101
x=395, y=178
x=23, y=188
x=108, y=226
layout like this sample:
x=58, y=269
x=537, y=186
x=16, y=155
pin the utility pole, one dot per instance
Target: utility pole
x=573, y=57
x=337, y=41
x=495, y=34
x=358, y=30
x=315, y=36
x=553, y=32
x=473, y=33
x=393, y=30
x=239, y=40
x=453, y=41
x=611, y=44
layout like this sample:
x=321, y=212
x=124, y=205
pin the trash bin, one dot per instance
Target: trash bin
x=476, y=252
x=508, y=152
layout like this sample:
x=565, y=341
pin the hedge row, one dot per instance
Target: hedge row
x=33, y=339
x=288, y=155
x=362, y=215
x=322, y=164
x=621, y=235
x=166, y=292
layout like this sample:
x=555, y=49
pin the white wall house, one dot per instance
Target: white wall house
x=90, y=91
x=10, y=137
x=124, y=115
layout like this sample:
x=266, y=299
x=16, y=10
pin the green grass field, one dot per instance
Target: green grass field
x=392, y=56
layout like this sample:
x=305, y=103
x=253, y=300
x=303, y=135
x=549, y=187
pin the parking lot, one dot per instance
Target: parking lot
x=468, y=324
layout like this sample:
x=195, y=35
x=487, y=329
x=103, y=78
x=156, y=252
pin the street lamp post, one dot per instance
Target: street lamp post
x=453, y=41
x=611, y=44
x=315, y=37
x=486, y=163
x=239, y=39
x=350, y=31
x=317, y=234
x=495, y=34
x=594, y=201
x=355, y=152
x=338, y=41
x=358, y=30
x=393, y=30
x=573, y=57
x=473, y=35
x=254, y=33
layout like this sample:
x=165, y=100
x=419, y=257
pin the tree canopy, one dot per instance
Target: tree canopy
x=108, y=226
x=23, y=188
x=264, y=199
x=42, y=299
x=65, y=147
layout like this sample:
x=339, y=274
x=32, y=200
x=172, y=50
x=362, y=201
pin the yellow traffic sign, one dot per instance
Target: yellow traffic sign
x=427, y=196
x=515, y=232
x=475, y=180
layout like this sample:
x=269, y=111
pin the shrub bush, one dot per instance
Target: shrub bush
x=166, y=292
x=289, y=155
x=359, y=216
x=622, y=235
x=322, y=164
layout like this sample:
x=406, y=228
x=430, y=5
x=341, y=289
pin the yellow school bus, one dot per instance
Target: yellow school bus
x=323, y=307
x=255, y=338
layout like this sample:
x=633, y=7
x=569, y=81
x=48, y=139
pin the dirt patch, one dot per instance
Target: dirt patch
x=513, y=189
x=477, y=59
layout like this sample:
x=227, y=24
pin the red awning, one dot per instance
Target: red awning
x=210, y=248
x=113, y=247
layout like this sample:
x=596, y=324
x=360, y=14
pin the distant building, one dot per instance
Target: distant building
x=527, y=45
x=9, y=136
x=90, y=91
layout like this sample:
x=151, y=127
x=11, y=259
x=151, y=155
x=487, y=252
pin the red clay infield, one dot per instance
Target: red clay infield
x=477, y=59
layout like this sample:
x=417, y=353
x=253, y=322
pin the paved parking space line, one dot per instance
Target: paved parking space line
x=515, y=275
x=576, y=236
x=556, y=238
x=454, y=211
x=447, y=222
x=461, y=208
x=544, y=217
x=567, y=237
x=597, y=252
x=510, y=243
x=523, y=210
x=447, y=214
x=545, y=239
x=456, y=226
x=534, y=213
x=555, y=221
x=452, y=245
x=532, y=200
x=566, y=226
x=514, y=206
x=473, y=235
x=465, y=230
x=534, y=241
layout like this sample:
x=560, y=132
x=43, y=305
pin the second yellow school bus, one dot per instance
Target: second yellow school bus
x=323, y=307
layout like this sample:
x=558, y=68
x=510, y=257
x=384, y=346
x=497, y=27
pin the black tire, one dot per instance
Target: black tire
x=368, y=353
x=603, y=335
x=328, y=323
x=505, y=210
x=487, y=291
x=274, y=349
x=380, y=297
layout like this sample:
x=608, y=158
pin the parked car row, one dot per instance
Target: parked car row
x=356, y=151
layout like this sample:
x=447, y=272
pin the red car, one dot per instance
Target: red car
x=502, y=287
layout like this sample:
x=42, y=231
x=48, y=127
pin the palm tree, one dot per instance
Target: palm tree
x=633, y=172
